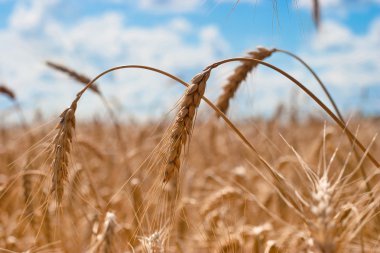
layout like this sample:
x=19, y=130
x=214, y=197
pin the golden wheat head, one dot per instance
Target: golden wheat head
x=182, y=127
x=61, y=151
x=239, y=75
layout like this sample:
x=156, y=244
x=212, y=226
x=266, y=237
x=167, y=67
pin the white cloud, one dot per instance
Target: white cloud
x=180, y=6
x=343, y=58
x=346, y=59
x=95, y=43
x=29, y=14
x=323, y=3
x=169, y=5
x=339, y=6
x=347, y=62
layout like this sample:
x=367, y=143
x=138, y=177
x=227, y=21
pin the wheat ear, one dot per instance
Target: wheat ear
x=153, y=243
x=62, y=146
x=182, y=127
x=239, y=75
x=75, y=75
x=7, y=92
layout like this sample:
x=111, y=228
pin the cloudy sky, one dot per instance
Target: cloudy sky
x=182, y=37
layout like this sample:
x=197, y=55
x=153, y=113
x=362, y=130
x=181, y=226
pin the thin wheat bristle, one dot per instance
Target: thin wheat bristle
x=239, y=75
x=182, y=127
x=61, y=151
x=73, y=74
x=8, y=92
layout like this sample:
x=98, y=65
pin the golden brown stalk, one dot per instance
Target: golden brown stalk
x=239, y=75
x=62, y=147
x=28, y=191
x=75, y=75
x=183, y=125
x=8, y=92
x=47, y=223
x=316, y=13
x=137, y=200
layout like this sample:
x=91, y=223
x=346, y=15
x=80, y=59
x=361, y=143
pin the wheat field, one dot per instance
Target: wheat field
x=191, y=184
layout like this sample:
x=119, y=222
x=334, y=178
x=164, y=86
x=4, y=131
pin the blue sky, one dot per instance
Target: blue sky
x=183, y=36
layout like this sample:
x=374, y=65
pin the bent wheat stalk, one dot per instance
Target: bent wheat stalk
x=198, y=85
x=339, y=119
x=311, y=95
x=240, y=73
x=324, y=88
x=225, y=118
